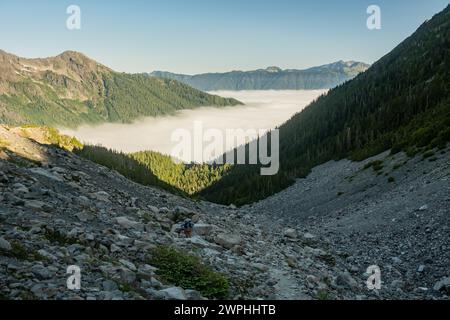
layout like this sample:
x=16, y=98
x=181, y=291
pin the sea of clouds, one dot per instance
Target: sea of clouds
x=262, y=110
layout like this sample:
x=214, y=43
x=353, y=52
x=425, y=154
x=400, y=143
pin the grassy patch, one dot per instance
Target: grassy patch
x=328, y=259
x=323, y=295
x=397, y=166
x=376, y=165
x=428, y=154
x=188, y=272
x=19, y=252
x=57, y=237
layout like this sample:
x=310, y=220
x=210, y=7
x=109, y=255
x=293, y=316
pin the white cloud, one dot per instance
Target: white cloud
x=262, y=110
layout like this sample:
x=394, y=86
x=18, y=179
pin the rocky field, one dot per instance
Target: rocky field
x=312, y=241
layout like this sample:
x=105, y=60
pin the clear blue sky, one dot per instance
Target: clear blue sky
x=193, y=36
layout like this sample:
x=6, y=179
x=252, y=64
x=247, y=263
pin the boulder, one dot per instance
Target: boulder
x=203, y=229
x=128, y=264
x=47, y=174
x=41, y=272
x=193, y=295
x=174, y=293
x=101, y=196
x=20, y=188
x=127, y=276
x=127, y=223
x=308, y=236
x=228, y=241
x=35, y=205
x=290, y=233
x=443, y=285
x=5, y=245
x=345, y=280
x=109, y=285
x=181, y=213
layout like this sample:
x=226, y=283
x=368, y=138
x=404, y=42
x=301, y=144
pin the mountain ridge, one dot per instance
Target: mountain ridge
x=272, y=77
x=71, y=89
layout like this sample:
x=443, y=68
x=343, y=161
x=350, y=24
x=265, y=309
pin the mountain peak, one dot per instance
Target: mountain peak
x=273, y=69
x=74, y=55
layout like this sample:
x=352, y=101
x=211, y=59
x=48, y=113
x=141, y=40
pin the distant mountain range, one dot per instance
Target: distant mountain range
x=272, y=78
x=71, y=89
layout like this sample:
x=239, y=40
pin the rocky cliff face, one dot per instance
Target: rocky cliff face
x=58, y=210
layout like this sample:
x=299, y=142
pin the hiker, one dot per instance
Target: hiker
x=187, y=227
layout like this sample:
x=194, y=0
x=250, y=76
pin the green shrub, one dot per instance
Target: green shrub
x=188, y=272
x=19, y=252
x=428, y=154
x=57, y=237
x=377, y=165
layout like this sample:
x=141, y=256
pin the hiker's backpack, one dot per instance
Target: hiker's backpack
x=188, y=225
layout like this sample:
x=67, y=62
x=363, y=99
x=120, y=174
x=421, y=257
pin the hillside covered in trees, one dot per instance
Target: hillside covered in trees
x=71, y=89
x=156, y=169
x=401, y=103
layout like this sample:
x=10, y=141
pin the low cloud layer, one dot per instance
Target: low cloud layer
x=262, y=110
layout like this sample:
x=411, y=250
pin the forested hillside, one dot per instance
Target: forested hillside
x=402, y=102
x=72, y=89
x=153, y=168
x=272, y=78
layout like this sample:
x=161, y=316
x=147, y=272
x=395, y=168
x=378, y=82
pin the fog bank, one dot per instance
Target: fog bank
x=262, y=110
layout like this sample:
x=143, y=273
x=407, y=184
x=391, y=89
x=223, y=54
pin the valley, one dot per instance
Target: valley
x=314, y=240
x=262, y=110
x=357, y=210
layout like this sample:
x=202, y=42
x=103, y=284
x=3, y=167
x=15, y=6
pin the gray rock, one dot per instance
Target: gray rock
x=109, y=285
x=174, y=293
x=396, y=260
x=193, y=295
x=38, y=291
x=127, y=276
x=47, y=255
x=155, y=283
x=308, y=236
x=203, y=229
x=5, y=245
x=35, y=205
x=114, y=248
x=101, y=196
x=20, y=188
x=127, y=223
x=47, y=174
x=130, y=265
x=153, y=209
x=290, y=233
x=228, y=241
x=114, y=295
x=345, y=280
x=443, y=285
x=261, y=267
x=41, y=272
